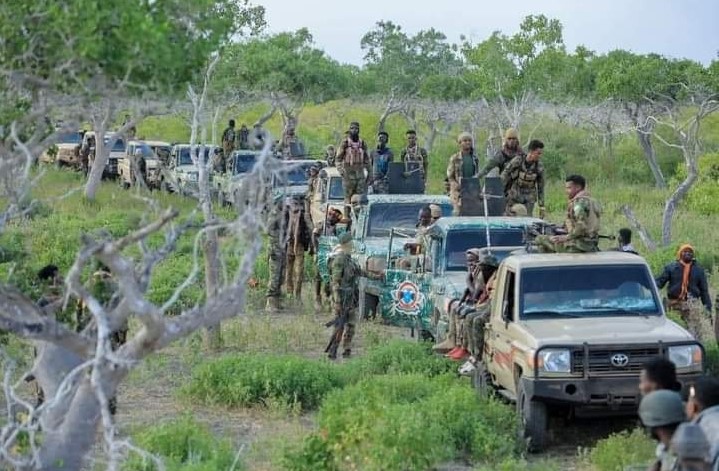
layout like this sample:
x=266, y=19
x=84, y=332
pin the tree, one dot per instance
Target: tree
x=403, y=66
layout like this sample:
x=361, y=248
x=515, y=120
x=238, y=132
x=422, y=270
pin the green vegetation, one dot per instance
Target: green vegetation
x=183, y=444
x=623, y=449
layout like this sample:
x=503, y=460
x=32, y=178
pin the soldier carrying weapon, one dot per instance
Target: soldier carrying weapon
x=343, y=278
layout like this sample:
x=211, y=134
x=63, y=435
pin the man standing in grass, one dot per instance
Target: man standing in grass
x=343, y=278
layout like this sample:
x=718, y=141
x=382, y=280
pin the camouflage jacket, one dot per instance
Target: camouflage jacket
x=454, y=169
x=416, y=154
x=500, y=159
x=344, y=273
x=352, y=155
x=523, y=177
x=583, y=218
x=228, y=137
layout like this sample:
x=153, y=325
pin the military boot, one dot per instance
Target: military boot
x=451, y=341
x=273, y=305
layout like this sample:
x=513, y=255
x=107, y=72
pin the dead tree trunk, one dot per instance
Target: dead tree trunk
x=644, y=134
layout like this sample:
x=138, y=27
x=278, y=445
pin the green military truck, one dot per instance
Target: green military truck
x=568, y=334
x=418, y=295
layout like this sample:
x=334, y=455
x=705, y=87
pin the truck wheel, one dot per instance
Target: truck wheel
x=533, y=420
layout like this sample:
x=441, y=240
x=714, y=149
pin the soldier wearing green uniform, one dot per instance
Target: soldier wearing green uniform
x=343, y=286
x=581, y=225
x=353, y=164
x=229, y=138
x=523, y=180
x=463, y=164
x=275, y=253
x=414, y=153
x=503, y=156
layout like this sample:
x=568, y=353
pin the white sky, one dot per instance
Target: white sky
x=675, y=28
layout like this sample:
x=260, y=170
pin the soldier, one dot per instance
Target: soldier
x=330, y=229
x=313, y=183
x=518, y=210
x=624, y=241
x=85, y=149
x=703, y=410
x=691, y=447
x=343, y=281
x=275, y=254
x=330, y=155
x=686, y=283
x=140, y=166
x=258, y=136
x=414, y=153
x=503, y=156
x=463, y=164
x=582, y=224
x=229, y=137
x=244, y=137
x=380, y=159
x=353, y=164
x=299, y=240
x=436, y=212
x=661, y=412
x=132, y=130
x=290, y=145
x=523, y=180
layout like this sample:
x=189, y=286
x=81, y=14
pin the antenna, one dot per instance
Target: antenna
x=486, y=213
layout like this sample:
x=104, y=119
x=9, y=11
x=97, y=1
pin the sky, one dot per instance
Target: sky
x=674, y=28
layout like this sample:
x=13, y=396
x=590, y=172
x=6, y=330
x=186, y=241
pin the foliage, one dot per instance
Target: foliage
x=704, y=194
x=251, y=379
x=400, y=357
x=184, y=445
x=622, y=449
x=711, y=358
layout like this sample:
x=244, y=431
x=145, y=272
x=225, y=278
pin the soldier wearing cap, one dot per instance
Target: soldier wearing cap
x=343, y=286
x=503, y=156
x=523, y=179
x=353, y=163
x=380, y=160
x=661, y=412
x=435, y=211
x=463, y=164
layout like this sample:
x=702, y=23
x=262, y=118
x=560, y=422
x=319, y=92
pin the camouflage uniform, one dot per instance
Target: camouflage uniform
x=582, y=224
x=290, y=142
x=500, y=160
x=275, y=253
x=244, y=137
x=455, y=174
x=330, y=153
x=228, y=144
x=523, y=183
x=343, y=286
x=298, y=241
x=352, y=162
x=416, y=154
x=330, y=229
x=380, y=166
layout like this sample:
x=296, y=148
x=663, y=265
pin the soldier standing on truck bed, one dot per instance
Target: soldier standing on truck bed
x=523, y=180
x=229, y=138
x=503, y=156
x=353, y=164
x=581, y=228
x=463, y=164
x=380, y=160
x=414, y=153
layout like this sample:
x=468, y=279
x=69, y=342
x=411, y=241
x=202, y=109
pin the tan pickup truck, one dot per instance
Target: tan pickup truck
x=568, y=335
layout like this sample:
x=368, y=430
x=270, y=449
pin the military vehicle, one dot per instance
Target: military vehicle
x=66, y=152
x=292, y=179
x=183, y=174
x=569, y=333
x=374, y=222
x=226, y=185
x=330, y=194
x=415, y=290
x=116, y=152
x=127, y=166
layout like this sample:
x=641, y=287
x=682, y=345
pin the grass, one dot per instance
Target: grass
x=621, y=450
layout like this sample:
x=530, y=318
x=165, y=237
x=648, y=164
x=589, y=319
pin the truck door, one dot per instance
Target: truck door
x=497, y=335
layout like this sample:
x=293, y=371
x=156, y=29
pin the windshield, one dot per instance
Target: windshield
x=587, y=291
x=244, y=162
x=69, y=138
x=384, y=217
x=336, y=191
x=185, y=158
x=118, y=146
x=161, y=151
x=296, y=174
x=458, y=242
x=146, y=151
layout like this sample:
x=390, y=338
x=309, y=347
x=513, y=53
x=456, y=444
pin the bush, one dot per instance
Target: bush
x=622, y=449
x=183, y=445
x=250, y=379
x=400, y=356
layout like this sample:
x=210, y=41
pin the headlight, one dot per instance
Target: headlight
x=685, y=356
x=555, y=361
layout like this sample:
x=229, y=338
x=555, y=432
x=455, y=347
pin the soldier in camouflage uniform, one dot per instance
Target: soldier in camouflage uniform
x=523, y=180
x=503, y=156
x=229, y=140
x=353, y=164
x=330, y=155
x=330, y=229
x=276, y=233
x=343, y=285
x=380, y=159
x=414, y=153
x=299, y=240
x=290, y=145
x=581, y=225
x=463, y=164
x=243, y=137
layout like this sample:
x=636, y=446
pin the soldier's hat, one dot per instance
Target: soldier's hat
x=436, y=210
x=661, y=408
x=487, y=258
x=511, y=133
x=518, y=210
x=345, y=238
x=473, y=255
x=354, y=123
x=330, y=147
x=464, y=135
x=314, y=169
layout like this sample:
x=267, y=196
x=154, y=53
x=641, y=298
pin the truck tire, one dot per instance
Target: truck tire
x=534, y=419
x=482, y=381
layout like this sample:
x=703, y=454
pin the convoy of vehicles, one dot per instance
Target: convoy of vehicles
x=65, y=152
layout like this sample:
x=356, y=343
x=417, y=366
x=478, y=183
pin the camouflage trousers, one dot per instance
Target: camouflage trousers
x=515, y=196
x=320, y=287
x=274, y=265
x=699, y=322
x=294, y=269
x=354, y=182
x=544, y=245
x=473, y=330
x=348, y=331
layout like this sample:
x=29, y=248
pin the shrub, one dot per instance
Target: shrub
x=401, y=356
x=250, y=379
x=622, y=449
x=183, y=445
